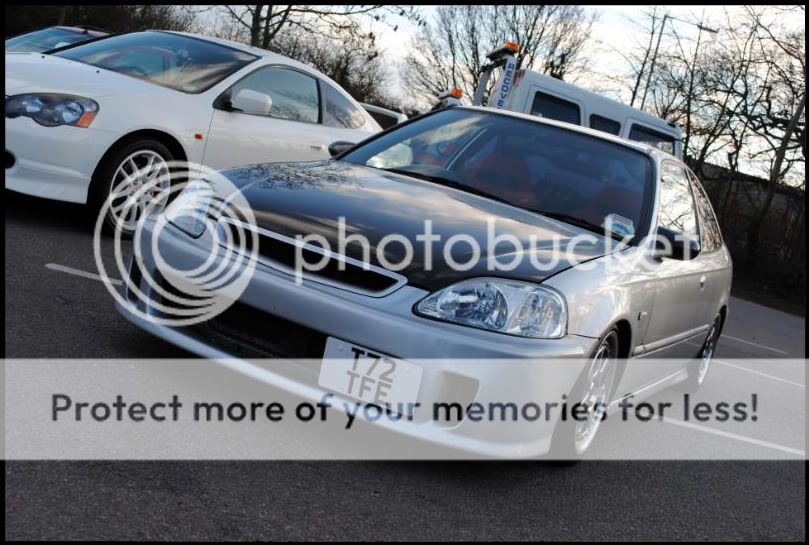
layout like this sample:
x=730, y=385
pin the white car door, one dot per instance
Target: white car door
x=291, y=132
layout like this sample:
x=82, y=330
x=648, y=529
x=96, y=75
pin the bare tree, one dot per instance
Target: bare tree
x=639, y=63
x=119, y=18
x=451, y=49
x=263, y=22
x=352, y=60
x=779, y=120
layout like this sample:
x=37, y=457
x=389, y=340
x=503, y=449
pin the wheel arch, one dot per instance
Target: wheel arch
x=624, y=329
x=175, y=147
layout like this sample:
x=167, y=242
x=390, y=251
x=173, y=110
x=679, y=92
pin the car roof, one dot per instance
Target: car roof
x=84, y=30
x=381, y=110
x=230, y=43
x=257, y=51
x=639, y=146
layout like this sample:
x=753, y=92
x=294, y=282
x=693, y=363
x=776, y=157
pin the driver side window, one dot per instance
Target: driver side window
x=294, y=94
x=676, y=211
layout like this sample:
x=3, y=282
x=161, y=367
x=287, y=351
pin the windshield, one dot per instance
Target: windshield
x=42, y=40
x=180, y=62
x=574, y=177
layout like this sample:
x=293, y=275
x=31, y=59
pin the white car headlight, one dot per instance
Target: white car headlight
x=190, y=211
x=52, y=110
x=504, y=306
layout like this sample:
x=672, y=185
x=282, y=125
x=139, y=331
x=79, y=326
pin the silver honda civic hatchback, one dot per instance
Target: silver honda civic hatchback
x=438, y=261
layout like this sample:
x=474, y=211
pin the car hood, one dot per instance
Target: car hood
x=37, y=72
x=310, y=198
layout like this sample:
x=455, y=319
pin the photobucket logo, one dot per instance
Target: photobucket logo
x=185, y=268
x=496, y=250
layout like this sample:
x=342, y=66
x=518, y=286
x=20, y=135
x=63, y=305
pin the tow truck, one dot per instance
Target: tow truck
x=530, y=92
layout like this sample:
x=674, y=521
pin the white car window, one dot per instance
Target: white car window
x=294, y=94
x=339, y=111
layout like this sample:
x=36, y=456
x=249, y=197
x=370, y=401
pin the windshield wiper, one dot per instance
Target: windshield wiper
x=449, y=182
x=579, y=222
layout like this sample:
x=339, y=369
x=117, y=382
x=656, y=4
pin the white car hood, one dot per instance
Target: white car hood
x=35, y=72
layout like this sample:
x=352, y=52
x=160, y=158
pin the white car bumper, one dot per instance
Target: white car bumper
x=53, y=162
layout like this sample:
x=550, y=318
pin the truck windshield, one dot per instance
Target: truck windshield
x=575, y=177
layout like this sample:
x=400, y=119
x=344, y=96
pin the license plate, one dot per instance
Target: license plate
x=369, y=376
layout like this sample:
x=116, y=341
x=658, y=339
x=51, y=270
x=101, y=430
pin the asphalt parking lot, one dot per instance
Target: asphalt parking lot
x=53, y=311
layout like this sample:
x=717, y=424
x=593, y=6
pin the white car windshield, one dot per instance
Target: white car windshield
x=183, y=63
x=47, y=38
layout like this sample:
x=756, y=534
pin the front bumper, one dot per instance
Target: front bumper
x=53, y=162
x=450, y=355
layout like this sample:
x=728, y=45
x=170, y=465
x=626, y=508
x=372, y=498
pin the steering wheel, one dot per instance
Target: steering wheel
x=137, y=71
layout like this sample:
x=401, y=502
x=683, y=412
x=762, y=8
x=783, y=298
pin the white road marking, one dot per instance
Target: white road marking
x=83, y=274
x=753, y=371
x=737, y=437
x=764, y=346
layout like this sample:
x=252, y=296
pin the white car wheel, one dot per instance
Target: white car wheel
x=133, y=180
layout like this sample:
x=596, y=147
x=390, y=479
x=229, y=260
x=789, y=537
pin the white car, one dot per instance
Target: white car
x=86, y=118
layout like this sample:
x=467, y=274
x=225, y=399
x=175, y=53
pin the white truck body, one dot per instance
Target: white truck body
x=532, y=93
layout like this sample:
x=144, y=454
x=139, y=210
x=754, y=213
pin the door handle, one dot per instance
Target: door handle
x=318, y=147
x=702, y=283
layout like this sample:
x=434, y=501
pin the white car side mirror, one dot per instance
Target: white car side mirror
x=251, y=102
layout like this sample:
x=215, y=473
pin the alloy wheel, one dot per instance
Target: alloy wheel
x=141, y=183
x=708, y=351
x=599, y=380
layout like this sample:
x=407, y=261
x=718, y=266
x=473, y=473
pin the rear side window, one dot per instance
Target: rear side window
x=385, y=121
x=555, y=108
x=339, y=111
x=677, y=210
x=662, y=141
x=711, y=235
x=605, y=124
x=294, y=94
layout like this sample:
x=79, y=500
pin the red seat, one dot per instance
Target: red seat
x=509, y=178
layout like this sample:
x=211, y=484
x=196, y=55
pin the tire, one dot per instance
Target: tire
x=569, y=441
x=110, y=173
x=698, y=369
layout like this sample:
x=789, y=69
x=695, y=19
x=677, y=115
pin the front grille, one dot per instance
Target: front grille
x=10, y=160
x=280, y=252
x=247, y=332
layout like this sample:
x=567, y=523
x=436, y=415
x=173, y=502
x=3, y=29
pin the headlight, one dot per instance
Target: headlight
x=505, y=306
x=52, y=110
x=190, y=210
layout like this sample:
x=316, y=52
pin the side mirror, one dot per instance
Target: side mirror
x=675, y=245
x=336, y=148
x=251, y=102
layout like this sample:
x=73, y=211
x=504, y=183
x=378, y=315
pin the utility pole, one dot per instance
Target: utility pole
x=689, y=97
x=654, y=59
x=657, y=48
